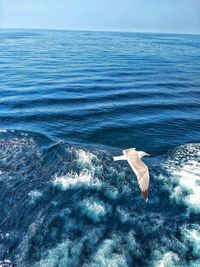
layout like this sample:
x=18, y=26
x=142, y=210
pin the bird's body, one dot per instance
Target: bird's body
x=140, y=169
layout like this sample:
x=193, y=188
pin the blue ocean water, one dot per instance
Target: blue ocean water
x=69, y=101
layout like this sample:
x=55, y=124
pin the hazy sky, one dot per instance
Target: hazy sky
x=118, y=15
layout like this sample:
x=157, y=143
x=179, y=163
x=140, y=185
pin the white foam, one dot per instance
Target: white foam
x=3, y=131
x=112, y=192
x=34, y=196
x=85, y=177
x=86, y=159
x=168, y=259
x=5, y=263
x=187, y=190
x=105, y=256
x=191, y=235
x=58, y=254
x=85, y=156
x=68, y=253
x=93, y=209
x=124, y=215
x=184, y=183
x=73, y=179
x=195, y=263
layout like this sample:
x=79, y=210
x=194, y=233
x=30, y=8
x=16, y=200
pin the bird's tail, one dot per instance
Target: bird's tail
x=120, y=158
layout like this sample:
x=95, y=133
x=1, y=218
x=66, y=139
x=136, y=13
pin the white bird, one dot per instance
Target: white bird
x=140, y=169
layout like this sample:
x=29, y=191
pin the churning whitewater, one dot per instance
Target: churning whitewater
x=66, y=205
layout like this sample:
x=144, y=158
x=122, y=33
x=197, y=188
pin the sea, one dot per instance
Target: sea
x=69, y=102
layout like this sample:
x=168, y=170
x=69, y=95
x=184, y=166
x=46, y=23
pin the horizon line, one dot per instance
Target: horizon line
x=97, y=30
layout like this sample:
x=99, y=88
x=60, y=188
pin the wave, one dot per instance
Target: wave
x=64, y=205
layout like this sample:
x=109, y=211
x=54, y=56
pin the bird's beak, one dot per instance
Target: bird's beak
x=147, y=154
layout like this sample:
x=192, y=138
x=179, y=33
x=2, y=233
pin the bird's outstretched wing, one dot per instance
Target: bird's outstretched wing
x=141, y=171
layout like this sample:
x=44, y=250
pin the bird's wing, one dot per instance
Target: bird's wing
x=142, y=174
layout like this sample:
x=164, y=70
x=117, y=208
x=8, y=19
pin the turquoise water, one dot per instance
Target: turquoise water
x=69, y=101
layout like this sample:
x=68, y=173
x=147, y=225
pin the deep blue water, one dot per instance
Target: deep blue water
x=69, y=101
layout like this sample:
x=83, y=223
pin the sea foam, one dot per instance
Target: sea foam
x=70, y=180
x=184, y=182
x=93, y=209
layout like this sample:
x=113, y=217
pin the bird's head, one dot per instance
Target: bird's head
x=142, y=154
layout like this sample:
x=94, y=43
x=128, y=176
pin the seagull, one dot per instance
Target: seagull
x=140, y=169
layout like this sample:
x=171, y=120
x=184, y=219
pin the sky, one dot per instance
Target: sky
x=178, y=16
